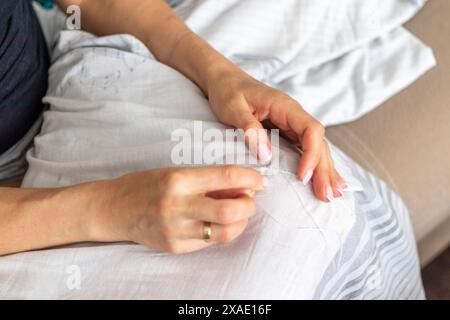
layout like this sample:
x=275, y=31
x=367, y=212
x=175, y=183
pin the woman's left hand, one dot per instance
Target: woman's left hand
x=243, y=102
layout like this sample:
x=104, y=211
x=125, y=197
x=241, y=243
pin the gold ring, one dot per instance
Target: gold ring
x=206, y=231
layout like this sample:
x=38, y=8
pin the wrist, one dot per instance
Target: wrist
x=93, y=203
x=201, y=63
x=216, y=71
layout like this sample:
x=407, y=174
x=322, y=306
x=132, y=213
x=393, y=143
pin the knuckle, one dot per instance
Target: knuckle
x=285, y=99
x=173, y=248
x=318, y=127
x=172, y=179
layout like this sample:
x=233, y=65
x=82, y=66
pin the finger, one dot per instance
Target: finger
x=342, y=184
x=321, y=182
x=337, y=190
x=254, y=134
x=255, y=137
x=287, y=134
x=311, y=145
x=224, y=211
x=203, y=180
x=220, y=233
x=337, y=182
x=231, y=194
x=309, y=134
x=187, y=246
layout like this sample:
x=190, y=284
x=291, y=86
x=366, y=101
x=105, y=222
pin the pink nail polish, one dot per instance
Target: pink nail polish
x=342, y=185
x=307, y=177
x=249, y=193
x=329, y=192
x=264, y=154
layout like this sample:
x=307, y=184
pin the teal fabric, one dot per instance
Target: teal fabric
x=47, y=4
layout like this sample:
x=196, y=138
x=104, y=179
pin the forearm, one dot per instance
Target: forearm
x=40, y=218
x=156, y=25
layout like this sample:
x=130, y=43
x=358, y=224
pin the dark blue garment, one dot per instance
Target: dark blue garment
x=24, y=64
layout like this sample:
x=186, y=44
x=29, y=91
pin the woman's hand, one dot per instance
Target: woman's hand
x=243, y=102
x=165, y=208
x=237, y=99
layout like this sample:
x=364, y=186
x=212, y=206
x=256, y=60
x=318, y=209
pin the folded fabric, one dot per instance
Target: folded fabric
x=339, y=59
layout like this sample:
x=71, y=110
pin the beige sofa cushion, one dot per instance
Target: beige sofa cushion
x=406, y=142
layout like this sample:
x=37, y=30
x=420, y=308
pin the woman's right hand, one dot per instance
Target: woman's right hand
x=165, y=209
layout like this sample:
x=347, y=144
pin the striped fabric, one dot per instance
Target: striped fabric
x=379, y=258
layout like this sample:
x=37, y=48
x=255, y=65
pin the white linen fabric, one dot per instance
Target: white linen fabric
x=340, y=59
x=113, y=109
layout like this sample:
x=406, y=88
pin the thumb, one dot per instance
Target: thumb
x=255, y=135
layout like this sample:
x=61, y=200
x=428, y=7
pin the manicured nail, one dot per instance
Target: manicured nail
x=265, y=181
x=307, y=177
x=342, y=185
x=249, y=193
x=264, y=153
x=341, y=192
x=329, y=192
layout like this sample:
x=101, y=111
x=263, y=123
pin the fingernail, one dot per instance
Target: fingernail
x=265, y=181
x=341, y=192
x=329, y=192
x=342, y=185
x=307, y=177
x=250, y=193
x=264, y=153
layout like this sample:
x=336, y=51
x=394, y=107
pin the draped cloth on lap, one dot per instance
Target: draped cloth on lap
x=113, y=109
